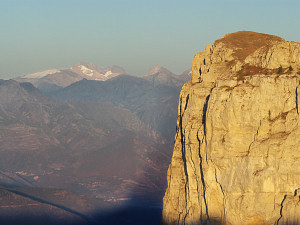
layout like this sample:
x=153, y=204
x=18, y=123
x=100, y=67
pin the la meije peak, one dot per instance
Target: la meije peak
x=236, y=158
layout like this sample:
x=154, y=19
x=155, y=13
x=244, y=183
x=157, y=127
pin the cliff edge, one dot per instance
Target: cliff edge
x=236, y=157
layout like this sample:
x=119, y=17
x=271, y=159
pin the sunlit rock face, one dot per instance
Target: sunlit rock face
x=236, y=157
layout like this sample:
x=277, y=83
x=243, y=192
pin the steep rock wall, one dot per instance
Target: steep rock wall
x=236, y=158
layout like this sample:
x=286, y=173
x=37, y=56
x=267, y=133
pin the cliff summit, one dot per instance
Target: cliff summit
x=245, y=53
x=236, y=158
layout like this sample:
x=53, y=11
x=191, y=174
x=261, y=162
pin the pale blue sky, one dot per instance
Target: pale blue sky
x=36, y=35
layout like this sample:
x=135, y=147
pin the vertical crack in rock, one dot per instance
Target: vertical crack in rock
x=224, y=200
x=205, y=106
x=297, y=100
x=277, y=222
x=270, y=57
x=196, y=177
x=186, y=101
x=204, y=111
x=250, y=147
x=202, y=180
x=183, y=151
x=204, y=115
x=187, y=213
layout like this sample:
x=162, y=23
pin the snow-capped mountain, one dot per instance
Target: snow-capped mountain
x=41, y=74
x=97, y=73
x=53, y=79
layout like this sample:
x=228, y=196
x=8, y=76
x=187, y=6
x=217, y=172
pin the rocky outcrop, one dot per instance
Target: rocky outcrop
x=237, y=148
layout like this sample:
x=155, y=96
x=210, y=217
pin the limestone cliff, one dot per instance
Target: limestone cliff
x=236, y=157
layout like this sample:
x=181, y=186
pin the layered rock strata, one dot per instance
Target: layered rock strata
x=236, y=157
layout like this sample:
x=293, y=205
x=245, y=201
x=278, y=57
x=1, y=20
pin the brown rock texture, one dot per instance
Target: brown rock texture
x=236, y=158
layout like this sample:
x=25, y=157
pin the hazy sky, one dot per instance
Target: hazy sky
x=36, y=35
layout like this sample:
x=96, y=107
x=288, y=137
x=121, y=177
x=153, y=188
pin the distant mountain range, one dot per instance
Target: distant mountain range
x=111, y=139
x=51, y=80
x=152, y=97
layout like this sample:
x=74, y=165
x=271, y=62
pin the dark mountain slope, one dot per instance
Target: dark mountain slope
x=61, y=145
x=155, y=105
